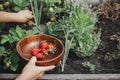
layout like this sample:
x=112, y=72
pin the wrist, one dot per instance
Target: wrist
x=13, y=17
x=23, y=77
x=16, y=17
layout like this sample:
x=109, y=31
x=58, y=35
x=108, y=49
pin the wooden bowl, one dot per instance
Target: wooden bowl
x=24, y=49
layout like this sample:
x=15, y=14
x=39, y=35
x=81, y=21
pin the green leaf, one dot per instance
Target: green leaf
x=11, y=39
x=2, y=51
x=14, y=66
x=52, y=2
x=58, y=10
x=16, y=8
x=15, y=57
x=18, y=2
x=30, y=32
x=4, y=39
x=25, y=4
x=13, y=32
x=20, y=32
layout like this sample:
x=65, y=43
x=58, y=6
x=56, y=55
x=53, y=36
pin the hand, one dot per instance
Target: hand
x=24, y=16
x=32, y=72
x=21, y=16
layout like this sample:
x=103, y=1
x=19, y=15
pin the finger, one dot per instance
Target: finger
x=28, y=11
x=29, y=16
x=32, y=60
x=47, y=68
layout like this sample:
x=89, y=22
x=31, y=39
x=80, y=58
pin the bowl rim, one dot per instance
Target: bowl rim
x=40, y=61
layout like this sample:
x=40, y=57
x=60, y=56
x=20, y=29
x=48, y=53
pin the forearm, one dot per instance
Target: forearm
x=8, y=17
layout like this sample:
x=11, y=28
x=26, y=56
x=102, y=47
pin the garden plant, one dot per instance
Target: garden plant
x=90, y=34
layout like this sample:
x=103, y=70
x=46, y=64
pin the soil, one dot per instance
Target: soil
x=105, y=59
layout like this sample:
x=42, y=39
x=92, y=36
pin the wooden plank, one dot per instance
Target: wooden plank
x=68, y=76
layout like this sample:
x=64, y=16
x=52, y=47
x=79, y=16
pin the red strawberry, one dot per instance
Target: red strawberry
x=39, y=56
x=44, y=51
x=50, y=46
x=43, y=44
x=35, y=51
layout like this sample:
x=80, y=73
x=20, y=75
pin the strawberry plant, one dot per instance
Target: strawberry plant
x=11, y=59
x=20, y=4
x=52, y=8
x=9, y=40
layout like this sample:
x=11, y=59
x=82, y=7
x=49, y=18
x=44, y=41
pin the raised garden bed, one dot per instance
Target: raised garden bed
x=68, y=76
x=104, y=61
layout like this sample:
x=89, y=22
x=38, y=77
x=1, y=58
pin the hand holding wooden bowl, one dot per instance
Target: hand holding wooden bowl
x=25, y=45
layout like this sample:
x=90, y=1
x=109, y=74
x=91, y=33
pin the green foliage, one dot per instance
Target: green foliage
x=68, y=45
x=75, y=29
x=52, y=2
x=37, y=12
x=20, y=4
x=1, y=7
x=52, y=9
x=37, y=30
x=89, y=65
x=2, y=51
x=15, y=35
x=83, y=20
x=11, y=59
x=54, y=28
x=52, y=12
x=80, y=21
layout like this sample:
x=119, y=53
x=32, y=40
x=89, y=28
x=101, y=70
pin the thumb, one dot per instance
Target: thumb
x=32, y=60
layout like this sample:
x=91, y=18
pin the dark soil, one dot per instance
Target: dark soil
x=106, y=59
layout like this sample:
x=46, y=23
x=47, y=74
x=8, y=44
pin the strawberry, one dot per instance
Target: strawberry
x=51, y=48
x=44, y=51
x=43, y=44
x=39, y=55
x=35, y=51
